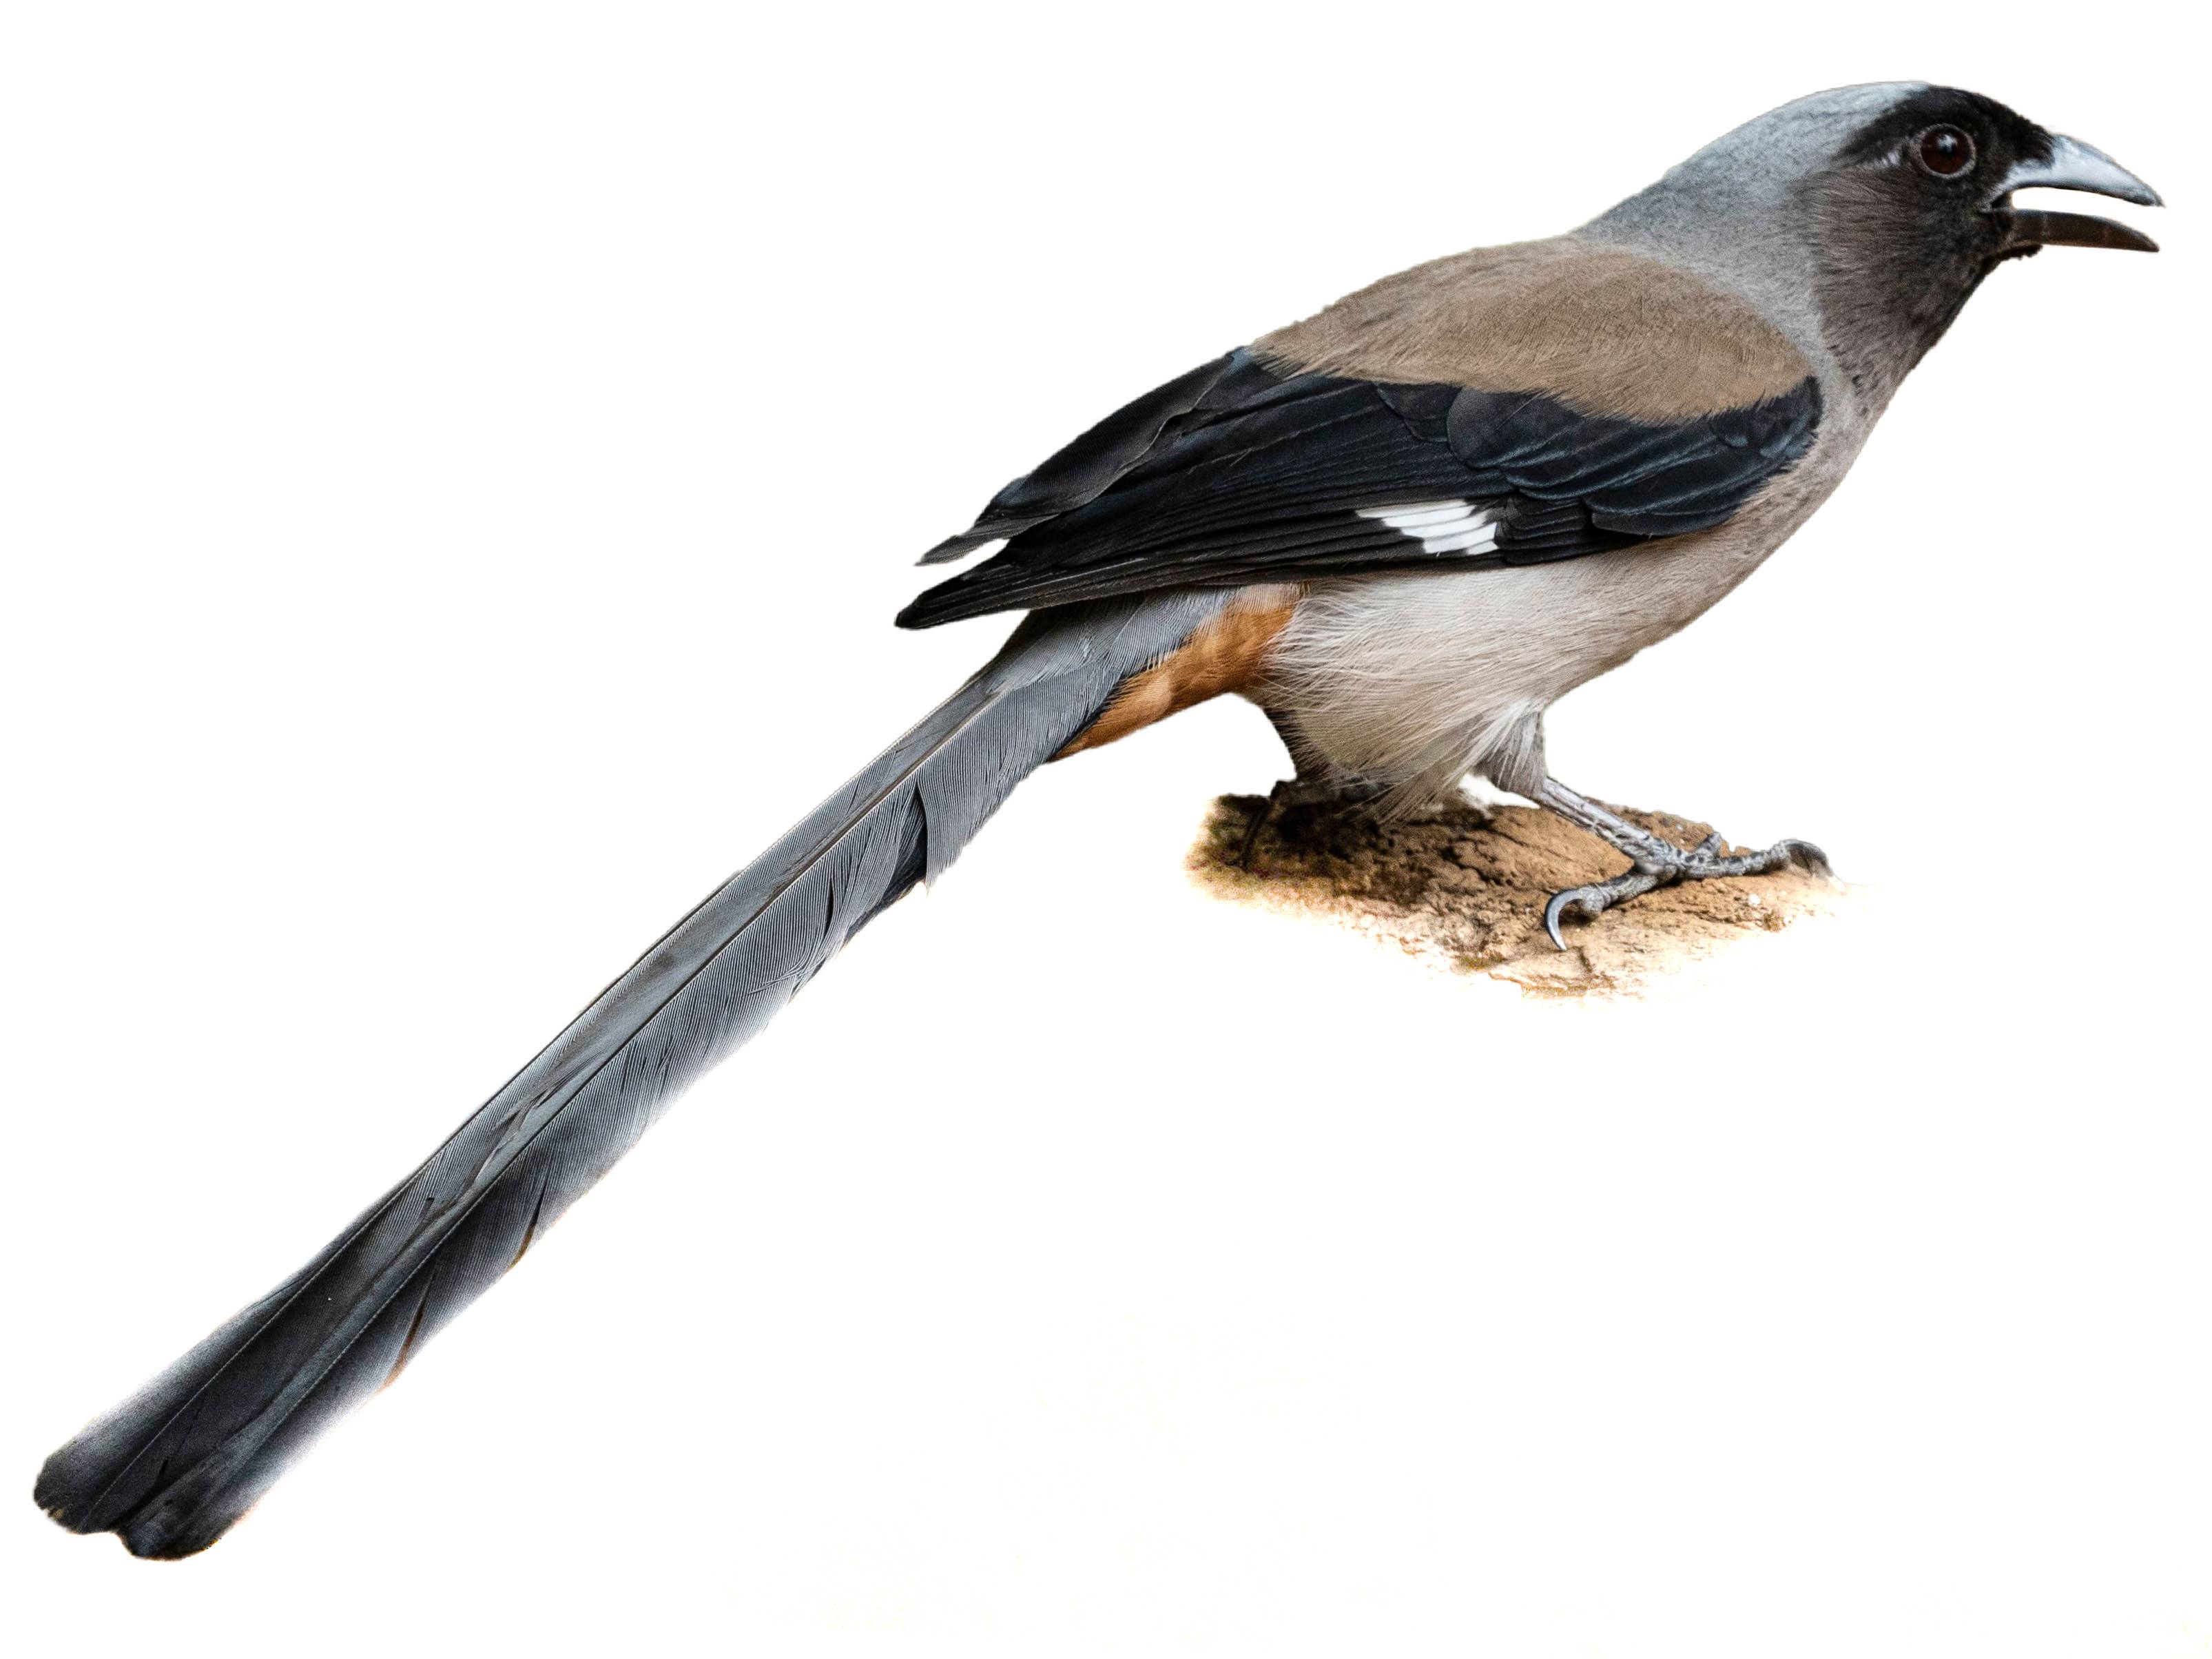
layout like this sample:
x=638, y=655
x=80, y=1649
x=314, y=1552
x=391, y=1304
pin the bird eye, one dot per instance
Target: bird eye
x=1947, y=152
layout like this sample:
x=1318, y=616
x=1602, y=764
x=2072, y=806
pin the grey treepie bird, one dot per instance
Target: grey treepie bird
x=1403, y=527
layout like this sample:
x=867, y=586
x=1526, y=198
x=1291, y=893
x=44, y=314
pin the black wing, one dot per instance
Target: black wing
x=1236, y=474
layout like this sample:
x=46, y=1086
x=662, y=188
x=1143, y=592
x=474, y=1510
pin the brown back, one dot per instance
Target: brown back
x=1605, y=332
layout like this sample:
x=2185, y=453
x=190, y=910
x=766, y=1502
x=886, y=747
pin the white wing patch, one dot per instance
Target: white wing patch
x=1441, y=527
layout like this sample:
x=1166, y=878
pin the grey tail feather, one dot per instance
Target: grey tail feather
x=172, y=1468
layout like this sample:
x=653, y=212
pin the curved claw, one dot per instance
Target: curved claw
x=1655, y=864
x=1589, y=899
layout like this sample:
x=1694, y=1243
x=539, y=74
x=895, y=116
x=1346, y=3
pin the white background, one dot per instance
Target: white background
x=461, y=463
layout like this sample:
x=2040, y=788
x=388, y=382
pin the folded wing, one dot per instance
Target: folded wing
x=1255, y=468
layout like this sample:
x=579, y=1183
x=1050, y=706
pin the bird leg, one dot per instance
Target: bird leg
x=1653, y=862
x=1314, y=786
x=1342, y=794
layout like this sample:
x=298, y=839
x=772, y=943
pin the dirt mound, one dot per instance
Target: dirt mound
x=1464, y=887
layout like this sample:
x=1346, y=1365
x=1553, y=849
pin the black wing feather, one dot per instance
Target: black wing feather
x=1085, y=468
x=1237, y=474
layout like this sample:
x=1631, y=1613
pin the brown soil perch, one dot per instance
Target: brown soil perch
x=1464, y=886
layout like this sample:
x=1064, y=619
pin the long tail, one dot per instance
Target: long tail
x=173, y=1467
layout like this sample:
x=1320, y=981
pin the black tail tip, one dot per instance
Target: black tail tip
x=70, y=1497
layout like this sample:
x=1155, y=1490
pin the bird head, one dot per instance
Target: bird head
x=1864, y=217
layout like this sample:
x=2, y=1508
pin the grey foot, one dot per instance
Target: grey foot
x=1344, y=795
x=1656, y=864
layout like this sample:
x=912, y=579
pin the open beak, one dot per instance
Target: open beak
x=2072, y=165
